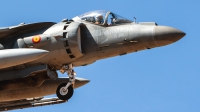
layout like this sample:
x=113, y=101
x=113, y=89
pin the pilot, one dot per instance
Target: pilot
x=99, y=19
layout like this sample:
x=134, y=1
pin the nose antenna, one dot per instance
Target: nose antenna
x=134, y=19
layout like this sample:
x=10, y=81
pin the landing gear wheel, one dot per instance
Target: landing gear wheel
x=64, y=94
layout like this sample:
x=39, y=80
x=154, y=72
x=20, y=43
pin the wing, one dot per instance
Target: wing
x=27, y=103
x=23, y=28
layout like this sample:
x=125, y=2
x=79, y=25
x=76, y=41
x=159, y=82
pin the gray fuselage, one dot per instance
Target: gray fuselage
x=98, y=42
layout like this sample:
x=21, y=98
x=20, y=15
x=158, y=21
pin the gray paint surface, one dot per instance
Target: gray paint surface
x=61, y=41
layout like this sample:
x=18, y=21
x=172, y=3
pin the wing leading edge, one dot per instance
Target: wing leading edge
x=23, y=28
x=28, y=103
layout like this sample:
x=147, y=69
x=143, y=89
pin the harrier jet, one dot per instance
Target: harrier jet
x=32, y=54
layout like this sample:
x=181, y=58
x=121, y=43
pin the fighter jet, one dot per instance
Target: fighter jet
x=32, y=54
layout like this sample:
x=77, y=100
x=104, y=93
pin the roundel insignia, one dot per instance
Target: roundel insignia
x=36, y=39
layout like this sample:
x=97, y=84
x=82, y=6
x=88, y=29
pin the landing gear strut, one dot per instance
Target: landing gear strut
x=65, y=90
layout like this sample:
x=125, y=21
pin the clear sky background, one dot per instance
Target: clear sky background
x=164, y=79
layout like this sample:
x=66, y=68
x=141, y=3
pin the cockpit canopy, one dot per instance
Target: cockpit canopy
x=102, y=17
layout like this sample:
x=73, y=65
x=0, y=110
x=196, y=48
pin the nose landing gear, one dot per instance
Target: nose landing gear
x=65, y=90
x=64, y=94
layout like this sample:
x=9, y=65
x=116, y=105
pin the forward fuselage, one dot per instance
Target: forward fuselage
x=98, y=42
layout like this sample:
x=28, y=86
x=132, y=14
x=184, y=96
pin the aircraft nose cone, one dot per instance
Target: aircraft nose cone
x=166, y=35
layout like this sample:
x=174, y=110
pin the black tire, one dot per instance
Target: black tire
x=69, y=93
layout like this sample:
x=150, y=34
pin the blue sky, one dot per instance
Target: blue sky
x=164, y=79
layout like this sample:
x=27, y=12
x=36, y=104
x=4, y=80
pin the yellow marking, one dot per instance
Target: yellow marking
x=36, y=39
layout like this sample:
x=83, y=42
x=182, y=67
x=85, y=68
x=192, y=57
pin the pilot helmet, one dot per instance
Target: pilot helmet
x=99, y=18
